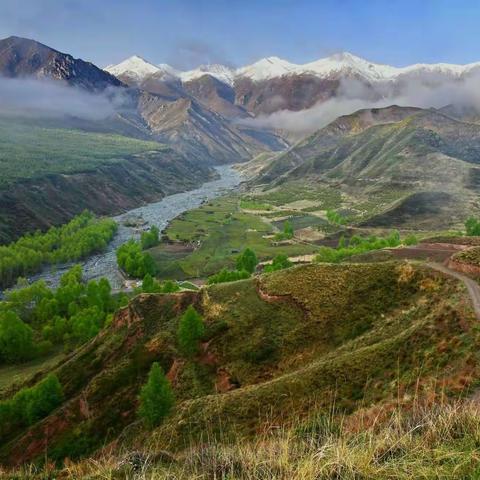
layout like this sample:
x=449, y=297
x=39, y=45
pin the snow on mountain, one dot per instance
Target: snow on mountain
x=220, y=72
x=169, y=70
x=137, y=69
x=267, y=68
x=273, y=67
x=346, y=62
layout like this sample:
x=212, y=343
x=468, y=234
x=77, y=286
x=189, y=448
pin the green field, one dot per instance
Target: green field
x=19, y=374
x=28, y=150
x=327, y=197
x=222, y=230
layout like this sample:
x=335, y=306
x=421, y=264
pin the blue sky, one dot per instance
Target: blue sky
x=186, y=33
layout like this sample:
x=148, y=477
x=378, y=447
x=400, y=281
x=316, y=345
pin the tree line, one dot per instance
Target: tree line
x=82, y=236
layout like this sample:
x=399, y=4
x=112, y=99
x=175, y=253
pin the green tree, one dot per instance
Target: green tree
x=472, y=226
x=156, y=397
x=190, y=331
x=247, y=261
x=16, y=338
x=134, y=261
x=288, y=229
x=151, y=238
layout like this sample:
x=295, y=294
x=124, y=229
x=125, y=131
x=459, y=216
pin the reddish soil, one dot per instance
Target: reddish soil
x=434, y=252
x=471, y=270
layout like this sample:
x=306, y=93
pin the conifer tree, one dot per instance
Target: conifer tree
x=190, y=331
x=156, y=397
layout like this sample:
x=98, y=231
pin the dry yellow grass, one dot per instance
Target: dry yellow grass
x=439, y=442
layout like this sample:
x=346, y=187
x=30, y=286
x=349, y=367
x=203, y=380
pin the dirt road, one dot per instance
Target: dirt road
x=472, y=285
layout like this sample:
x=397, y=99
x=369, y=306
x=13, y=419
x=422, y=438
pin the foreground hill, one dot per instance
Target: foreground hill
x=50, y=174
x=417, y=167
x=284, y=347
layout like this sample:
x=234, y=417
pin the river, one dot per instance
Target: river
x=157, y=213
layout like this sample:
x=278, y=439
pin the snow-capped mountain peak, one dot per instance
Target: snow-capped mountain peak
x=343, y=62
x=168, y=69
x=134, y=67
x=267, y=68
x=220, y=72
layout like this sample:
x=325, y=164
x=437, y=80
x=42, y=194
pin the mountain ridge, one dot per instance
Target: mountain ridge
x=275, y=67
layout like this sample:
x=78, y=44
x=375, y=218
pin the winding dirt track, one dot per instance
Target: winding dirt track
x=472, y=286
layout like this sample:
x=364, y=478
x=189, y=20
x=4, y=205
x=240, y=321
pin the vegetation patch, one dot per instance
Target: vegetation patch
x=28, y=150
x=217, y=232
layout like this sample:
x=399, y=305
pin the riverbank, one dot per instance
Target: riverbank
x=156, y=213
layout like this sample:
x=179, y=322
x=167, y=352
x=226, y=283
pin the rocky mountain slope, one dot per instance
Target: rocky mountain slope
x=23, y=58
x=167, y=113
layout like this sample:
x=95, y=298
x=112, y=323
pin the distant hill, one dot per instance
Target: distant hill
x=428, y=161
x=49, y=174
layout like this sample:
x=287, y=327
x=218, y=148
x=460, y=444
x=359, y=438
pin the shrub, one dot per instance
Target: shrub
x=335, y=218
x=472, y=226
x=190, y=331
x=43, y=398
x=280, y=262
x=410, y=240
x=152, y=285
x=225, y=275
x=156, y=397
x=150, y=239
x=32, y=404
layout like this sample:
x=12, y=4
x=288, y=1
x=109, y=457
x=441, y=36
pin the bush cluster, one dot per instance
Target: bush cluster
x=472, y=227
x=29, y=405
x=246, y=264
x=34, y=318
x=133, y=261
x=280, y=262
x=357, y=245
x=151, y=238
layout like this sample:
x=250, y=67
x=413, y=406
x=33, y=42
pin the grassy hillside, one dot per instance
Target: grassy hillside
x=50, y=174
x=28, y=150
x=396, y=166
x=277, y=350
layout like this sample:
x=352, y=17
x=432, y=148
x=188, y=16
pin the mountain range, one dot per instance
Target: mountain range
x=136, y=68
x=171, y=117
x=208, y=115
x=273, y=84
